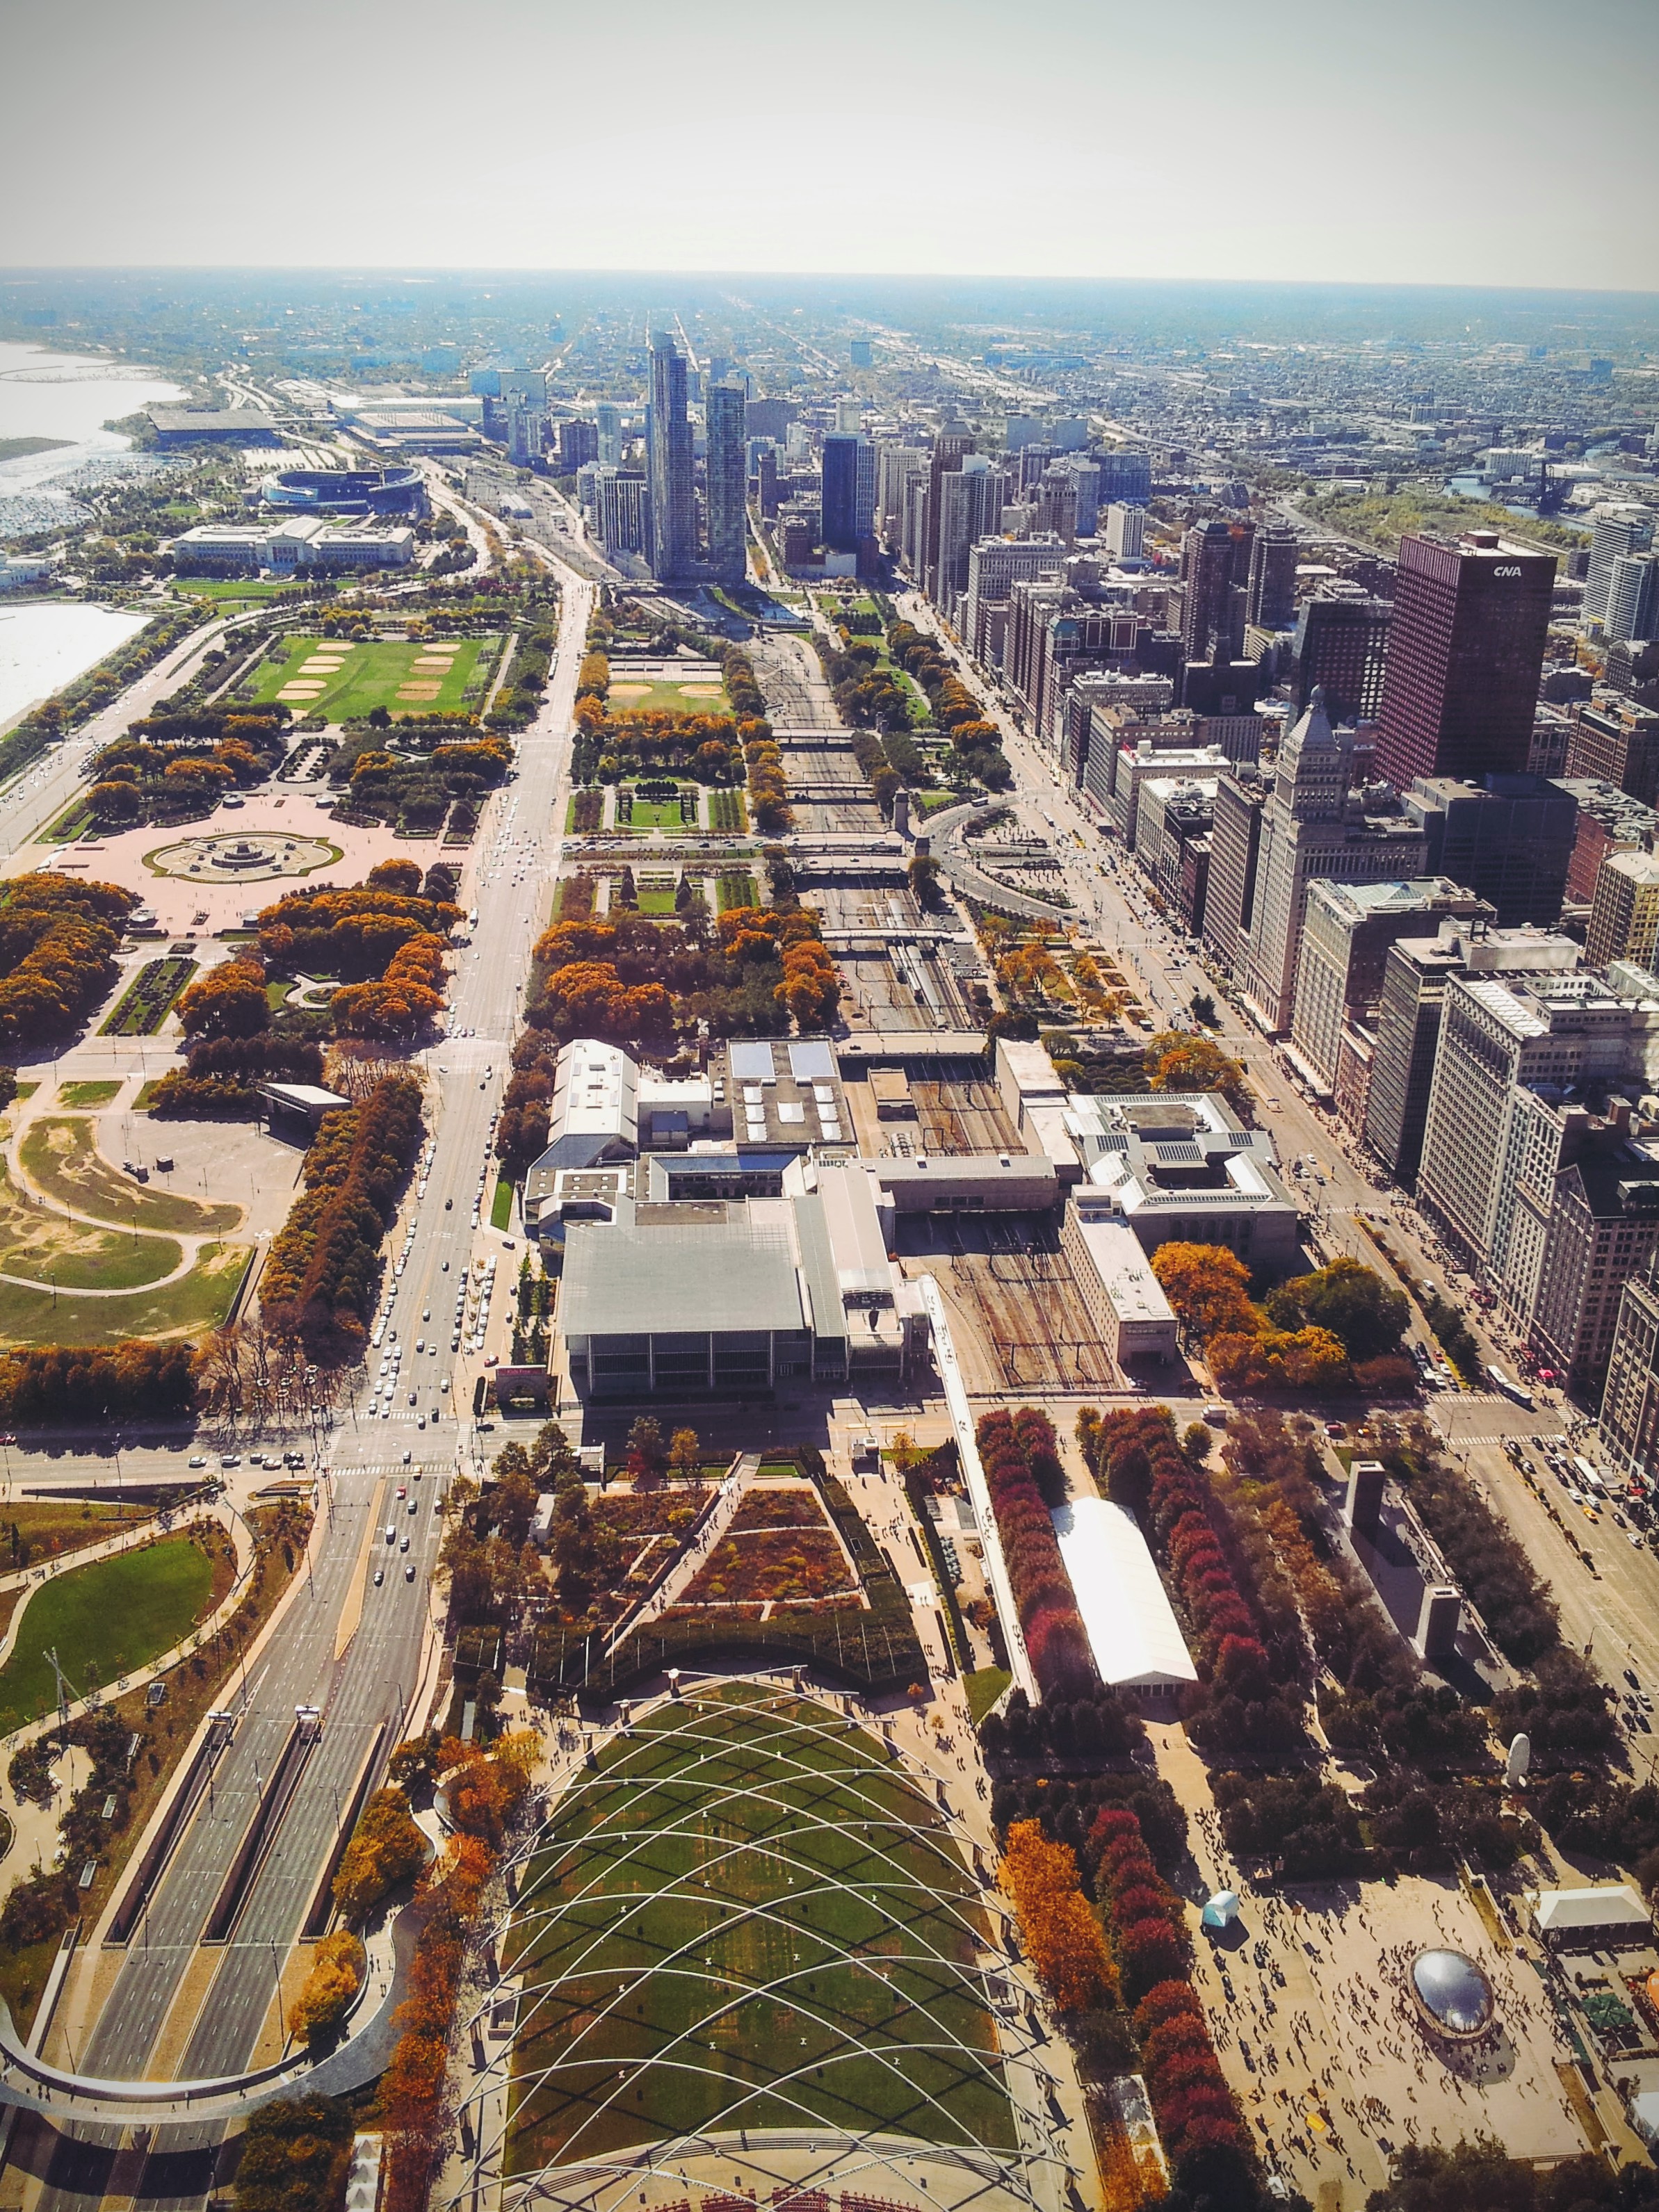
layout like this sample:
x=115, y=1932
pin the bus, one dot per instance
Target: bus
x=1518, y=1391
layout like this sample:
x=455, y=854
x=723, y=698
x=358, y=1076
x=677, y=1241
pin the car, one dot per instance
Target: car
x=454, y=1343
x=230, y=1459
x=1334, y=1429
x=420, y=1424
x=197, y=1461
x=445, y=1266
x=493, y=1361
x=408, y=1571
x=403, y=1490
x=7, y=1437
x=407, y=1456
x=444, y=1385
x=403, y=1546
x=414, y=1505
x=419, y=1344
x=380, y=1576
x=426, y=1314
x=1632, y=1678
x=449, y=1207
x=414, y=1397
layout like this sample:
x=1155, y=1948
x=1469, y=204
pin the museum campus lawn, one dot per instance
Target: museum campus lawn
x=100, y=1093
x=60, y=1155
x=747, y=1918
x=115, y=1616
x=661, y=814
x=376, y=675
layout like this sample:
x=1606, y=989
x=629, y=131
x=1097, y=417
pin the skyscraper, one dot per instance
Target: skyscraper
x=673, y=509
x=849, y=491
x=1615, y=530
x=1465, y=651
x=1632, y=609
x=1339, y=649
x=1215, y=571
x=608, y=417
x=728, y=482
x=954, y=440
x=1272, y=599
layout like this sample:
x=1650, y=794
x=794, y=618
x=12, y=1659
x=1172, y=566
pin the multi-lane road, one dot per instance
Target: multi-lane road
x=349, y=1645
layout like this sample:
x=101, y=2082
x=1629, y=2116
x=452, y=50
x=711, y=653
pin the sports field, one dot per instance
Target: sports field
x=342, y=682
x=746, y=1917
x=113, y=1616
x=697, y=697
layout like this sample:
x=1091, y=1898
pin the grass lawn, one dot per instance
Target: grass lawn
x=662, y=814
x=87, y=1094
x=657, y=900
x=984, y=1688
x=43, y=1245
x=197, y=1301
x=228, y=588
x=51, y=1527
x=63, y=1160
x=381, y=674
x=747, y=1918
x=626, y=698
x=500, y=1207
x=114, y=1616
x=143, y=1006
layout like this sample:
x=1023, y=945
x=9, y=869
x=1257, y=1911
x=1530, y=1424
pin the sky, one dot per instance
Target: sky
x=1459, y=142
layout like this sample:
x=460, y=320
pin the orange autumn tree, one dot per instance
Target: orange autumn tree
x=1061, y=1935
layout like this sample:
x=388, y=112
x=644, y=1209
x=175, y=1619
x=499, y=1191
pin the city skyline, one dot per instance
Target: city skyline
x=1433, y=193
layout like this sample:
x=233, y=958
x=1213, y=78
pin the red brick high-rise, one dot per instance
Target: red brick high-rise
x=1465, y=653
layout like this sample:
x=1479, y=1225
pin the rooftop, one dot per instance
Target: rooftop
x=636, y=1279
x=1131, y=1629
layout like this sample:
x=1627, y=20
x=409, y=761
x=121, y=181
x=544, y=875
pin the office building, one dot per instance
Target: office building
x=896, y=466
x=1310, y=828
x=526, y=433
x=859, y=354
x=1215, y=573
x=1410, y=1001
x=1465, y=653
x=1598, y=1230
x=1624, y=923
x=1605, y=820
x=1617, y=743
x=970, y=503
x=1633, y=612
x=994, y=566
x=1271, y=599
x=954, y=442
x=848, y=479
x=1176, y=815
x=1125, y=478
x=1628, y=1425
x=608, y=422
x=1115, y=1282
x=617, y=505
x=1508, y=1051
x=728, y=482
x=673, y=506
x=1340, y=647
x=1346, y=931
x=1120, y=772
x=1614, y=531
x=1510, y=839
x=1241, y=797
x=1126, y=531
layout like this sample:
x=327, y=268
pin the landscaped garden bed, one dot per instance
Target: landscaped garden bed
x=144, y=1004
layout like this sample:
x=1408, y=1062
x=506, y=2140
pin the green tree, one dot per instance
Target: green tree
x=1349, y=1299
